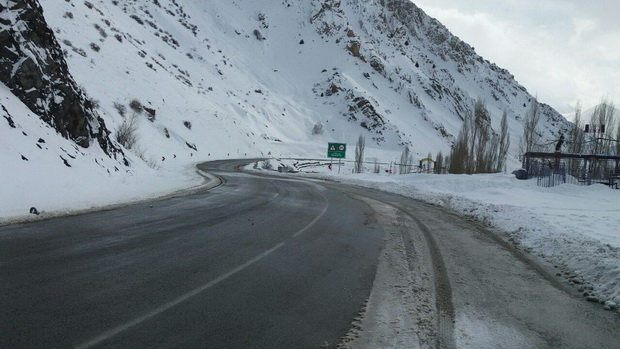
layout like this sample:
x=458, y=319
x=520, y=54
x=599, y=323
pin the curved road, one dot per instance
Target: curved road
x=274, y=262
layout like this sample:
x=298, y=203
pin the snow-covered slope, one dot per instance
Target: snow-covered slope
x=217, y=79
x=258, y=76
x=40, y=169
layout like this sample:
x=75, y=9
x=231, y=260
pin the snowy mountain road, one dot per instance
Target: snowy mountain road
x=256, y=262
x=278, y=262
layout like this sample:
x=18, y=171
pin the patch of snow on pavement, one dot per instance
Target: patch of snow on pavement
x=472, y=332
x=399, y=310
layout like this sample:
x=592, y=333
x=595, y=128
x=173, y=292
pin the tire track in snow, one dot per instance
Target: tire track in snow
x=443, y=290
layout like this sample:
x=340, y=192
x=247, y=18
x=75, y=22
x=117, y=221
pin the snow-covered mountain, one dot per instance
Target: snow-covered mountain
x=212, y=79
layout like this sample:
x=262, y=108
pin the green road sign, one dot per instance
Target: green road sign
x=336, y=150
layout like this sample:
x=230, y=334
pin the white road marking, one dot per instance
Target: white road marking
x=113, y=332
x=315, y=219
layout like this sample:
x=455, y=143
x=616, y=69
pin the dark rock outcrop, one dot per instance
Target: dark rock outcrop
x=33, y=67
x=371, y=119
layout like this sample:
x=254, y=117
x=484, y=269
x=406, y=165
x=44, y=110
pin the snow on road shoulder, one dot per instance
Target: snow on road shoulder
x=475, y=332
x=84, y=191
x=576, y=228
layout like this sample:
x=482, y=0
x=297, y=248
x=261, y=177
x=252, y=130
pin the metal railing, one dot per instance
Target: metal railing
x=546, y=176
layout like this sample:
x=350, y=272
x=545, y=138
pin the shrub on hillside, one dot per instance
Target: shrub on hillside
x=120, y=108
x=136, y=106
x=126, y=132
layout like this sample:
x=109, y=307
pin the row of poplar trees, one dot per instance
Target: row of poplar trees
x=478, y=148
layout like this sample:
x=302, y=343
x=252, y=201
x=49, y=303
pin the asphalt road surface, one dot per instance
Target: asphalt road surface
x=270, y=262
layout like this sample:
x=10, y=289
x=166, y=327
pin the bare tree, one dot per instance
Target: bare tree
x=473, y=140
x=530, y=127
x=576, y=135
x=479, y=138
x=459, y=156
x=478, y=149
x=603, y=116
x=405, y=161
x=504, y=144
x=576, y=141
x=530, y=138
x=430, y=163
x=602, y=123
x=439, y=163
x=126, y=132
x=359, y=155
x=491, y=155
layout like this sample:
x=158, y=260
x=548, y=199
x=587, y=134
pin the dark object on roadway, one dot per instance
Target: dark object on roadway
x=34, y=210
x=520, y=173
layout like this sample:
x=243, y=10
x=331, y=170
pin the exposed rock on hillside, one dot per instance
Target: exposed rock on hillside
x=32, y=65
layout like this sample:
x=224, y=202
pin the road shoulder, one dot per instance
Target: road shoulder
x=205, y=181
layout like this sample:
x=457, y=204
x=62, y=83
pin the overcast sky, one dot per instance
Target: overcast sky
x=562, y=50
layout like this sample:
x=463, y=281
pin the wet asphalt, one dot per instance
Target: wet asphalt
x=256, y=262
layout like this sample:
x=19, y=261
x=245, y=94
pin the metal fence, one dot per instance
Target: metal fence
x=546, y=176
x=392, y=167
x=550, y=177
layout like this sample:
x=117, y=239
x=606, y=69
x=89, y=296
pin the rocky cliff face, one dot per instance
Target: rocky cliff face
x=33, y=67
